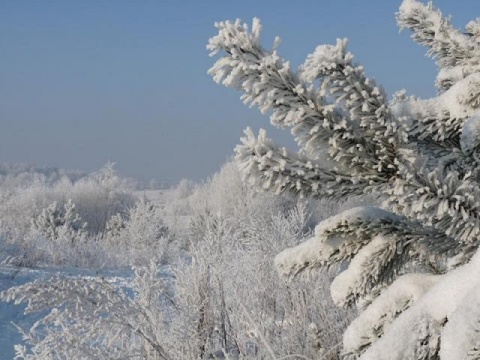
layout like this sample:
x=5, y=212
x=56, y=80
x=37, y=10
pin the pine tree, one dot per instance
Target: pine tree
x=58, y=224
x=412, y=268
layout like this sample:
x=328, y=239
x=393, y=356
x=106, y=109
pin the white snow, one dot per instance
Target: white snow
x=409, y=8
x=458, y=102
x=360, y=267
x=451, y=75
x=461, y=333
x=323, y=58
x=376, y=319
x=470, y=137
x=315, y=251
x=364, y=213
x=11, y=313
x=429, y=313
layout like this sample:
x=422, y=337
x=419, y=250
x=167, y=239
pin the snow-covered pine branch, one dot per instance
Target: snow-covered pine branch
x=472, y=29
x=276, y=169
x=379, y=244
x=447, y=45
x=446, y=201
x=422, y=155
x=372, y=323
x=441, y=118
x=269, y=83
x=360, y=97
x=428, y=336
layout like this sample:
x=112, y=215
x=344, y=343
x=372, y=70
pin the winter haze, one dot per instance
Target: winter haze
x=86, y=82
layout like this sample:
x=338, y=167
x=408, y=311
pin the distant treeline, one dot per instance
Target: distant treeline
x=18, y=174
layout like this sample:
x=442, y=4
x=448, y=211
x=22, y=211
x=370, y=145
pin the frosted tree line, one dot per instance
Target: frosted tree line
x=204, y=284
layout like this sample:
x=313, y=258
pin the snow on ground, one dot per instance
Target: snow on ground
x=10, y=313
x=11, y=276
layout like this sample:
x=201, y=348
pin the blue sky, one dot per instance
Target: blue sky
x=85, y=82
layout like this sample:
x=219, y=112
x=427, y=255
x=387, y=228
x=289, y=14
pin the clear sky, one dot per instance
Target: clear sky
x=89, y=81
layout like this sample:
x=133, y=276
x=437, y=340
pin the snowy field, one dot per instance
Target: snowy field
x=12, y=314
x=220, y=239
x=362, y=245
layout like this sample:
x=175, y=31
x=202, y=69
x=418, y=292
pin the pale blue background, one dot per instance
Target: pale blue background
x=84, y=82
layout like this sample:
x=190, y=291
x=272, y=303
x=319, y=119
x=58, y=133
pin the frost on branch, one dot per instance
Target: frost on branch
x=276, y=169
x=429, y=318
x=447, y=45
x=269, y=83
x=378, y=243
x=376, y=319
x=470, y=138
x=58, y=224
x=473, y=29
x=336, y=239
x=421, y=155
x=93, y=318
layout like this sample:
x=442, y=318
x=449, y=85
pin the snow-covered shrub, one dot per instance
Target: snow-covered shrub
x=233, y=303
x=60, y=224
x=176, y=206
x=420, y=155
x=140, y=238
x=60, y=237
x=225, y=196
x=183, y=190
x=25, y=212
x=97, y=197
x=226, y=297
x=114, y=226
x=95, y=318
